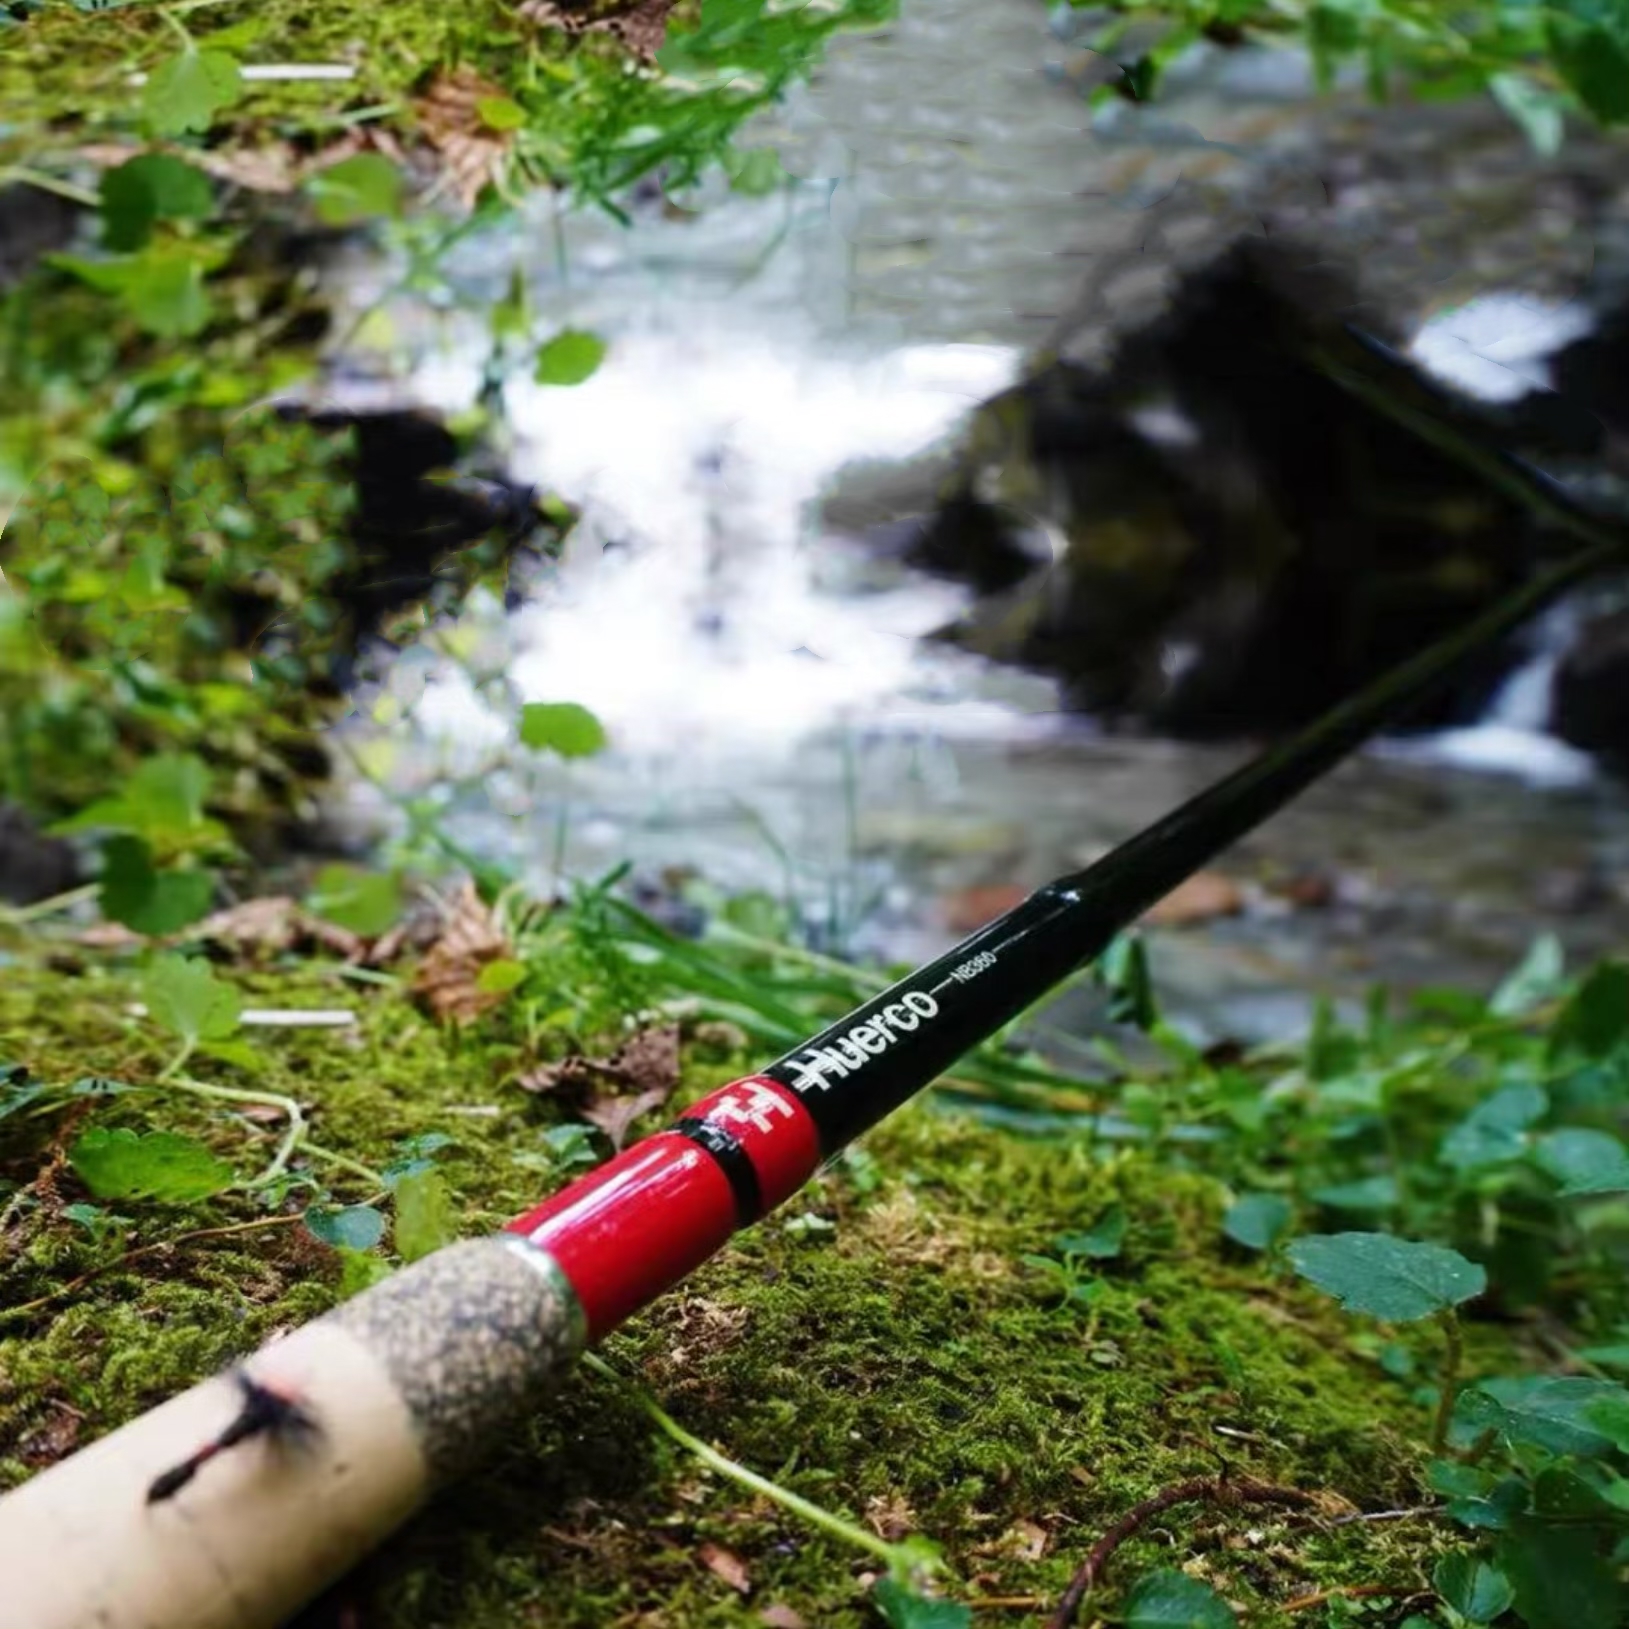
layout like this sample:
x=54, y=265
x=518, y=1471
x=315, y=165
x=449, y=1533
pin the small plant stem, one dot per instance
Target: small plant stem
x=896, y=1559
x=1217, y=1489
x=1453, y=1351
x=19, y=176
x=292, y=1138
x=343, y=1162
x=167, y=15
x=177, y=1063
x=1343, y=1592
x=22, y=915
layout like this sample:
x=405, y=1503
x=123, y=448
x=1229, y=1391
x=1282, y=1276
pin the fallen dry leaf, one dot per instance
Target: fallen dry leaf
x=1203, y=897
x=783, y=1617
x=725, y=1564
x=641, y=26
x=447, y=980
x=648, y=1062
x=1028, y=1539
x=109, y=936
x=890, y=1516
x=54, y=1439
x=615, y=1115
x=449, y=114
x=273, y=926
x=650, y=1059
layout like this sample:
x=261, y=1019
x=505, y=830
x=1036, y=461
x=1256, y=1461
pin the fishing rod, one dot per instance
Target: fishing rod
x=233, y=1504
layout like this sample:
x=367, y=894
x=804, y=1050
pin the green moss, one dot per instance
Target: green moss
x=902, y=1366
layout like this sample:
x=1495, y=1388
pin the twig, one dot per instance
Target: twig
x=17, y=916
x=17, y=175
x=136, y=1255
x=1350, y=1592
x=1386, y=1515
x=1453, y=1351
x=1217, y=1489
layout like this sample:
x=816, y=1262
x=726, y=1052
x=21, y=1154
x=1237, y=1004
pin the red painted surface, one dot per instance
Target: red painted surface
x=774, y=1128
x=630, y=1230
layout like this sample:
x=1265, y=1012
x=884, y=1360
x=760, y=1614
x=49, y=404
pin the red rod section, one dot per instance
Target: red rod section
x=625, y=1233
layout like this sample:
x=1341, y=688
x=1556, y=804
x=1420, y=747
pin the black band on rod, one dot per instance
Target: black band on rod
x=733, y=1160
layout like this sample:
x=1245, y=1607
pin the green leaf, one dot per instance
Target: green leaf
x=572, y=356
x=425, y=1219
x=1376, y=1193
x=1169, y=1599
x=1584, y=1161
x=1610, y=1415
x=1576, y=1490
x=1492, y=1133
x=1607, y=1357
x=1256, y=1220
x=162, y=800
x=346, y=1227
x=1589, y=42
x=122, y=1164
x=1123, y=971
x=142, y=191
x=1538, y=979
x=905, y=1609
x=501, y=976
x=1560, y=1578
x=1541, y=113
x=98, y=1086
x=362, y=902
x=1476, y=1590
x=184, y=995
x=1595, y=1021
x=1540, y=1411
x=1101, y=1241
x=1478, y=1498
x=562, y=727
x=165, y=293
x=363, y=187
x=1389, y=1278
x=571, y=1145
x=144, y=899
x=185, y=93
x=240, y=1054
x=499, y=113
x=757, y=173
x=359, y=1271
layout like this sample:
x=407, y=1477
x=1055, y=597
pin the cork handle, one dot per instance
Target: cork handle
x=404, y=1387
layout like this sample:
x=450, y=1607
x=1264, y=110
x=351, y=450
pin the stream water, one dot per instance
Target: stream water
x=776, y=720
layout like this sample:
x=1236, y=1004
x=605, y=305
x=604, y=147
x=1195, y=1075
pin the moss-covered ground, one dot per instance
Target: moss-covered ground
x=879, y=1346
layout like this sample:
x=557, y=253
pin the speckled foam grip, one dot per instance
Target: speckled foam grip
x=473, y=1336
x=404, y=1388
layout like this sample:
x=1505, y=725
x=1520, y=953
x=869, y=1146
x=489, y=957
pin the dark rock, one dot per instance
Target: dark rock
x=33, y=223
x=1590, y=697
x=1241, y=541
x=415, y=510
x=32, y=866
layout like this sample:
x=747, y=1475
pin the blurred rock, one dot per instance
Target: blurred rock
x=32, y=866
x=1590, y=697
x=1239, y=542
x=33, y=223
